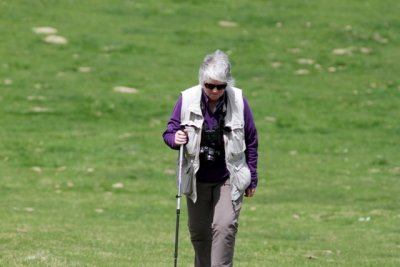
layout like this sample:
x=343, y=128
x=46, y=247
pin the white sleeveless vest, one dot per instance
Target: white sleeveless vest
x=234, y=141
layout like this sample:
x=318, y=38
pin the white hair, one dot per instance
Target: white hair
x=216, y=66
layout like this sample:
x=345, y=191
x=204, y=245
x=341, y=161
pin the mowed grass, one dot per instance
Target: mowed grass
x=85, y=179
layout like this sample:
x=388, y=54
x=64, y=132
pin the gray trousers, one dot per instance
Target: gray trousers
x=213, y=224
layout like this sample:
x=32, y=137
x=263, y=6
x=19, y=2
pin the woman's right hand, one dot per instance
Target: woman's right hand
x=181, y=137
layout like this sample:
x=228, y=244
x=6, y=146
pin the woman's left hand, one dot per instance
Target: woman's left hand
x=250, y=192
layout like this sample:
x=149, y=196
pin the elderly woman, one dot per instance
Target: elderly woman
x=214, y=122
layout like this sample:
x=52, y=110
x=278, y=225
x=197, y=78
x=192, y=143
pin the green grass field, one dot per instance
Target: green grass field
x=86, y=180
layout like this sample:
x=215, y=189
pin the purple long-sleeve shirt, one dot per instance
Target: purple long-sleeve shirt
x=217, y=172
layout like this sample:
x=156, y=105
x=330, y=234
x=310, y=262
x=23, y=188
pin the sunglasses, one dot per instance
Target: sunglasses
x=218, y=86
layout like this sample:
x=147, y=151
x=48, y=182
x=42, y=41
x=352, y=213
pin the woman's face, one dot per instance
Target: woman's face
x=214, y=89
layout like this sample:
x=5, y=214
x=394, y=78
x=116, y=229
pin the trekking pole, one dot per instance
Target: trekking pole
x=178, y=205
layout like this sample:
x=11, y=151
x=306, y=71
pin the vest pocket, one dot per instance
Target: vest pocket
x=242, y=178
x=187, y=176
x=193, y=136
x=195, y=120
x=236, y=144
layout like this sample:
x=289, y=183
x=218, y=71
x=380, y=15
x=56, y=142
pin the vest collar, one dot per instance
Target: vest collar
x=194, y=107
